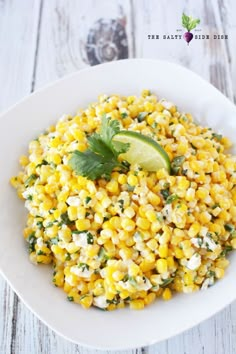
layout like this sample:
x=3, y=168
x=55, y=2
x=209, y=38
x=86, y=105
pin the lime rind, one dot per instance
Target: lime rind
x=140, y=146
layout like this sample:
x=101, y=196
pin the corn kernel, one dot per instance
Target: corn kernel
x=132, y=180
x=143, y=223
x=82, y=224
x=137, y=304
x=128, y=224
x=162, y=266
x=167, y=295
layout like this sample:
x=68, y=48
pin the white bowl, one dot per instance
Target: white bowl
x=120, y=329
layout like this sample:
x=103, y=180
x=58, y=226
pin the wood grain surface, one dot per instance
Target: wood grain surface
x=43, y=40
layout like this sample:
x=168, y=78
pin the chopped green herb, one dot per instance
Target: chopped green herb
x=50, y=224
x=132, y=281
x=54, y=240
x=229, y=227
x=87, y=200
x=30, y=197
x=70, y=298
x=217, y=136
x=114, y=301
x=127, y=298
x=83, y=266
x=124, y=115
x=126, y=164
x=121, y=204
x=53, y=165
x=126, y=277
x=83, y=296
x=154, y=125
x=51, y=211
x=102, y=255
x=90, y=239
x=215, y=206
x=184, y=118
x=159, y=217
x=44, y=162
x=39, y=224
x=130, y=188
x=65, y=219
x=30, y=180
x=211, y=273
x=176, y=164
x=199, y=241
x=226, y=250
x=32, y=241
x=40, y=253
x=233, y=234
x=171, y=198
x=142, y=116
x=166, y=282
x=165, y=193
x=68, y=257
x=194, y=147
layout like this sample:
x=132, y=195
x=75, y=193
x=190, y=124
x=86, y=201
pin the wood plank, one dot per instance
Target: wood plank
x=227, y=14
x=65, y=26
x=18, y=31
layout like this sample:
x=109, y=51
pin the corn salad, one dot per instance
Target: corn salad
x=140, y=235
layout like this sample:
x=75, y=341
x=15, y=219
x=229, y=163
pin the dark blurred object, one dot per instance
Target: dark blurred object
x=106, y=41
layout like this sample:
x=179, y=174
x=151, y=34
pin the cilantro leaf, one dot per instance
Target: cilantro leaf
x=99, y=160
x=109, y=128
x=91, y=165
x=98, y=146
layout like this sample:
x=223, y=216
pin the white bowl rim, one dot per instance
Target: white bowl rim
x=229, y=297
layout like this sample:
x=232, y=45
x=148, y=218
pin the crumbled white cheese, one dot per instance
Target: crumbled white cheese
x=167, y=104
x=29, y=191
x=143, y=283
x=138, y=237
x=205, y=284
x=135, y=197
x=81, y=272
x=203, y=231
x=167, y=212
x=208, y=242
x=40, y=242
x=194, y=262
x=166, y=113
x=196, y=241
x=100, y=301
x=69, y=280
x=73, y=201
x=64, y=118
x=81, y=239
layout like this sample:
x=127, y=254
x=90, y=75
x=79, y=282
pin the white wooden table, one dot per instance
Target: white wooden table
x=42, y=40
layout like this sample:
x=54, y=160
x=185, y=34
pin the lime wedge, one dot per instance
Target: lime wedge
x=144, y=151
